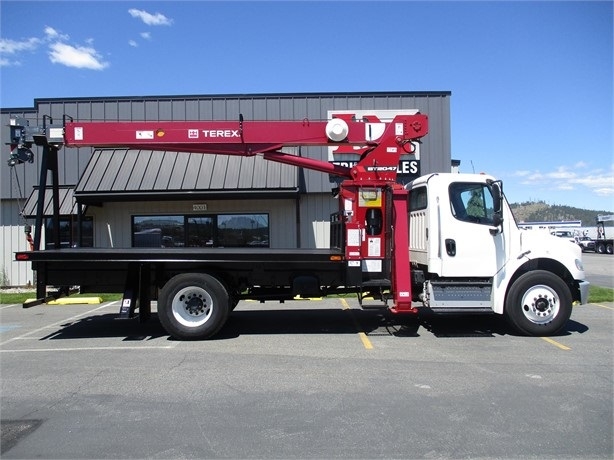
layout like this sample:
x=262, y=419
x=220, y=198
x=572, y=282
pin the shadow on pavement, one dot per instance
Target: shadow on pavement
x=306, y=321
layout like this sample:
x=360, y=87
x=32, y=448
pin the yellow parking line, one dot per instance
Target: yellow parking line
x=365, y=341
x=603, y=306
x=555, y=343
x=363, y=337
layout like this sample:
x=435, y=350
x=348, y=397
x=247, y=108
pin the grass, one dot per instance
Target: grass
x=596, y=294
x=21, y=297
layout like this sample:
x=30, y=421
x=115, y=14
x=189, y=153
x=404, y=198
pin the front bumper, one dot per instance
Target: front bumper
x=583, y=287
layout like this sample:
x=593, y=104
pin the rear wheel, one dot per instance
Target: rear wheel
x=193, y=306
x=600, y=248
x=608, y=248
x=538, y=303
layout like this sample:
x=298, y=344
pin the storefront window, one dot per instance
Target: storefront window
x=221, y=230
x=69, y=234
x=238, y=230
x=158, y=231
x=201, y=231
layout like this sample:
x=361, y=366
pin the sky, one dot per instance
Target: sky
x=530, y=81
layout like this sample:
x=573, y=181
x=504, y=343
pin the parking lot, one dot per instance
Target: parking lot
x=599, y=269
x=304, y=379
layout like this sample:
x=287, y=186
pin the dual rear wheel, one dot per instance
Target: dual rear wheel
x=193, y=306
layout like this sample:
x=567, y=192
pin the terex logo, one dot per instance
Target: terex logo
x=220, y=132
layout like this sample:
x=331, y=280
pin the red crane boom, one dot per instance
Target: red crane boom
x=372, y=205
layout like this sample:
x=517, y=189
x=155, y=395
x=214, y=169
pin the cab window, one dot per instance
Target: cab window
x=470, y=202
x=418, y=199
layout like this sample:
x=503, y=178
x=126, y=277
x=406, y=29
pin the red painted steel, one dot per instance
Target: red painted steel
x=377, y=145
x=378, y=157
x=401, y=276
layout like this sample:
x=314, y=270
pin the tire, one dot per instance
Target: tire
x=538, y=303
x=608, y=248
x=193, y=306
x=600, y=248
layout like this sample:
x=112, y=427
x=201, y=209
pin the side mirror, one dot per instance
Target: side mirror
x=497, y=219
x=496, y=188
x=497, y=195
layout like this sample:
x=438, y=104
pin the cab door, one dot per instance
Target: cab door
x=472, y=245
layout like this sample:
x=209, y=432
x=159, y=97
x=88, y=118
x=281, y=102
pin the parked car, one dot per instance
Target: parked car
x=564, y=234
x=586, y=243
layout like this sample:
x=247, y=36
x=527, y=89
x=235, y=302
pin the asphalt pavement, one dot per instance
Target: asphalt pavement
x=599, y=269
x=304, y=379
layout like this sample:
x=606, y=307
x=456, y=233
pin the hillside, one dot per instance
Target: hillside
x=540, y=211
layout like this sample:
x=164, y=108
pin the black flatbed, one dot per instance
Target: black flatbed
x=264, y=255
x=274, y=271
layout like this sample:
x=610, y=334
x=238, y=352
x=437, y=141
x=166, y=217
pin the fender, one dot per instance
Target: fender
x=538, y=251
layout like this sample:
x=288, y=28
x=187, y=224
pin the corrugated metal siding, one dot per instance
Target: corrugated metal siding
x=12, y=238
x=315, y=211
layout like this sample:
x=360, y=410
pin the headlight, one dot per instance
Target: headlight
x=579, y=265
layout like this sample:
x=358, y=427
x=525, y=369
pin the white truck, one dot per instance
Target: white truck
x=465, y=243
x=603, y=245
x=447, y=242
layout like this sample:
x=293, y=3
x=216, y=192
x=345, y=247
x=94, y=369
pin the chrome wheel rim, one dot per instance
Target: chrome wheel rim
x=540, y=304
x=192, y=306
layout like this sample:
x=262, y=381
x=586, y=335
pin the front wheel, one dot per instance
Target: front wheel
x=193, y=306
x=538, y=303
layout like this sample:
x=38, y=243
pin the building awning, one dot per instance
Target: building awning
x=68, y=205
x=142, y=175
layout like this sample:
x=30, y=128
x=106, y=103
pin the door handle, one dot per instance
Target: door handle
x=450, y=247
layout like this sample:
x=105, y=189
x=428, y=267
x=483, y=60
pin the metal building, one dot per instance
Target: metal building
x=139, y=198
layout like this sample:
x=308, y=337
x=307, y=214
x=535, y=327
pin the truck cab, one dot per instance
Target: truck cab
x=469, y=256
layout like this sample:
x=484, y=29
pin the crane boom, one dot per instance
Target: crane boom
x=372, y=213
x=377, y=145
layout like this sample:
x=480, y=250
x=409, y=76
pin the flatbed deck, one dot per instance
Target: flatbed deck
x=107, y=269
x=264, y=255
